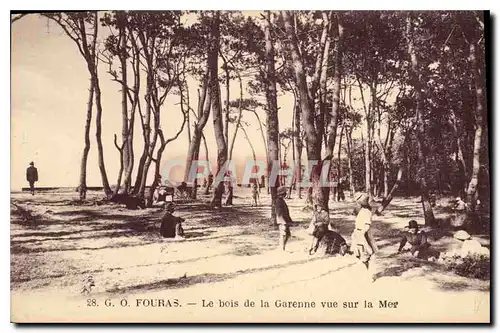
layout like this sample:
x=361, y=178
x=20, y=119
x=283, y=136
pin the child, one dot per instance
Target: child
x=362, y=243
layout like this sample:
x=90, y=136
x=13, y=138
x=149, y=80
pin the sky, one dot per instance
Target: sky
x=49, y=92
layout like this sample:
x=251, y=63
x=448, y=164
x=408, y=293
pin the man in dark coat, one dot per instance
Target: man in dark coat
x=32, y=177
x=171, y=226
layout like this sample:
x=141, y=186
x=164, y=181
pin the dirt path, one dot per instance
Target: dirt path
x=227, y=256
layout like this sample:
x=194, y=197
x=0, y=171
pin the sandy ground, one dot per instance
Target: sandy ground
x=228, y=257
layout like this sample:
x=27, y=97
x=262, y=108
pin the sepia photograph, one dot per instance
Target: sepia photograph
x=231, y=166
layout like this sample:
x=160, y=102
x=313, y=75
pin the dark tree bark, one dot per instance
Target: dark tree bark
x=332, y=127
x=297, y=147
x=349, y=160
x=420, y=132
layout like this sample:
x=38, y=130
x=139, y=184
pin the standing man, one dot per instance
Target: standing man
x=283, y=217
x=32, y=177
x=362, y=242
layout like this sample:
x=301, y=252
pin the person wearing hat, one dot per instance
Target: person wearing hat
x=32, y=177
x=417, y=239
x=469, y=245
x=171, y=226
x=283, y=217
x=362, y=243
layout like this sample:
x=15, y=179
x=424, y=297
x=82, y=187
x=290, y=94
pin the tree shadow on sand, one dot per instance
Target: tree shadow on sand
x=187, y=281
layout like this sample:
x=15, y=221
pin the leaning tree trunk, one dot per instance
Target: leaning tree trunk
x=215, y=100
x=207, y=159
x=102, y=168
x=82, y=188
x=264, y=141
x=422, y=149
x=313, y=139
x=120, y=172
x=272, y=113
x=204, y=103
x=472, y=194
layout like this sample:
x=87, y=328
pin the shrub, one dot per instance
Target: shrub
x=472, y=266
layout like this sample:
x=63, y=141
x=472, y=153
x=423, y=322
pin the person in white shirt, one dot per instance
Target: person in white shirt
x=362, y=242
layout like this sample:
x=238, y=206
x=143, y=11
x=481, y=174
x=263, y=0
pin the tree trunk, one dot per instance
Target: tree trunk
x=459, y=158
x=265, y=144
x=298, y=150
x=422, y=150
x=390, y=195
x=339, y=165
x=313, y=140
x=226, y=113
x=272, y=112
x=120, y=172
x=102, y=168
x=349, y=161
x=82, y=188
x=238, y=122
x=208, y=161
x=332, y=129
x=366, y=141
x=204, y=103
x=472, y=194
x=215, y=100
x=125, y=158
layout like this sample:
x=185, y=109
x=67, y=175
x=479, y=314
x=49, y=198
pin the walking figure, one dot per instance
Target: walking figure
x=255, y=194
x=32, y=177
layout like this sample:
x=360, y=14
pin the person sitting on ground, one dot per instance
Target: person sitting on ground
x=319, y=226
x=417, y=239
x=171, y=226
x=255, y=194
x=160, y=195
x=283, y=218
x=459, y=204
x=468, y=245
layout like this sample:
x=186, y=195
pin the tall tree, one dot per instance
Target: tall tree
x=420, y=131
x=271, y=109
x=83, y=28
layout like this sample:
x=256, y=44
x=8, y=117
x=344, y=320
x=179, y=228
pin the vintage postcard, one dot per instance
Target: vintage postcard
x=250, y=167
